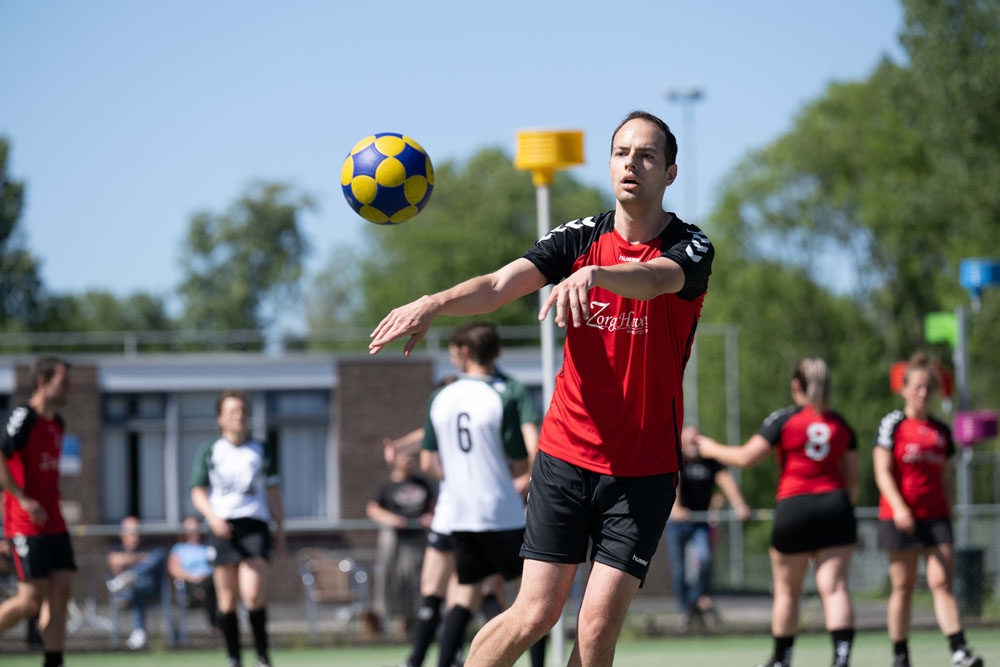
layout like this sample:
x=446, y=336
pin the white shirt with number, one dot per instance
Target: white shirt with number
x=476, y=431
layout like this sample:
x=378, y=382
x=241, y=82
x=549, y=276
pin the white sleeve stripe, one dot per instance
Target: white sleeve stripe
x=573, y=224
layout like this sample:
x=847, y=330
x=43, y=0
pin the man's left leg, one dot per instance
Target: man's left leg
x=602, y=613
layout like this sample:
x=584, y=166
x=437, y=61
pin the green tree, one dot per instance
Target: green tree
x=482, y=215
x=20, y=282
x=100, y=310
x=242, y=267
x=877, y=193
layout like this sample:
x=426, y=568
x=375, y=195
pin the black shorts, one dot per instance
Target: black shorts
x=814, y=521
x=442, y=542
x=38, y=556
x=479, y=555
x=250, y=539
x=926, y=533
x=569, y=508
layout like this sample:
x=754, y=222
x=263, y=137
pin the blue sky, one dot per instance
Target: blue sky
x=125, y=117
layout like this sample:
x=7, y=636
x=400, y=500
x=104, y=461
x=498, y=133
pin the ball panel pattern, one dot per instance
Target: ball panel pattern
x=387, y=178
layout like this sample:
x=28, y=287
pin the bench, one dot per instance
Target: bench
x=334, y=578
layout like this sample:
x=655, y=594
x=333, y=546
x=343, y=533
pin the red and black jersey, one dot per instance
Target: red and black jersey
x=31, y=445
x=618, y=405
x=811, y=446
x=920, y=451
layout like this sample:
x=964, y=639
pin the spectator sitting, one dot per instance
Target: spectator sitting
x=137, y=574
x=190, y=561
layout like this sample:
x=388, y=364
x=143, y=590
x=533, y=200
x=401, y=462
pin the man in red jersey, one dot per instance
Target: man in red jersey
x=31, y=442
x=628, y=285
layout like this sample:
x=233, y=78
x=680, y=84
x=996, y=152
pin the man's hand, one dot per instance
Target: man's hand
x=413, y=320
x=571, y=297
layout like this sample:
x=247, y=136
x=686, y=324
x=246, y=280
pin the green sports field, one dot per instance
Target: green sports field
x=928, y=649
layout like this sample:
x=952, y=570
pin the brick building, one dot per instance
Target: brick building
x=135, y=423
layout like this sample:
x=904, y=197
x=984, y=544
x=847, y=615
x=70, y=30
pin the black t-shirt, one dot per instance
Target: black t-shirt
x=697, y=483
x=411, y=497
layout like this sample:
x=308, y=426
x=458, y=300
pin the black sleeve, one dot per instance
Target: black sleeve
x=694, y=253
x=775, y=423
x=555, y=253
x=381, y=495
x=949, y=441
x=17, y=429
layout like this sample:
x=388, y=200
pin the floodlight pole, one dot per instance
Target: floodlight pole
x=542, y=152
x=687, y=99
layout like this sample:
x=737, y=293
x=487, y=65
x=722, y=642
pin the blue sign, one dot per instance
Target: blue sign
x=70, y=462
x=977, y=273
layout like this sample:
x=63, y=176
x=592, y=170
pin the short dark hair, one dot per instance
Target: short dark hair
x=480, y=338
x=45, y=367
x=229, y=393
x=669, y=140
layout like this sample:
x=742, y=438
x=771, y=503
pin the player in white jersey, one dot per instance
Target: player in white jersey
x=236, y=487
x=472, y=439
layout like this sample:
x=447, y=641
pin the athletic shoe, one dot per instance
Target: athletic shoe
x=263, y=662
x=963, y=657
x=776, y=663
x=902, y=660
x=122, y=581
x=137, y=639
x=233, y=662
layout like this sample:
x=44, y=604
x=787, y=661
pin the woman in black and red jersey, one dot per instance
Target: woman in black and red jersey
x=814, y=516
x=915, y=482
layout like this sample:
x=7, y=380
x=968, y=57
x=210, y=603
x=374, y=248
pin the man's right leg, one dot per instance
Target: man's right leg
x=537, y=607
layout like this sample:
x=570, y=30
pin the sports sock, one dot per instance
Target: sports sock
x=956, y=641
x=456, y=623
x=428, y=619
x=230, y=627
x=901, y=648
x=783, y=650
x=258, y=624
x=53, y=659
x=842, y=641
x=537, y=652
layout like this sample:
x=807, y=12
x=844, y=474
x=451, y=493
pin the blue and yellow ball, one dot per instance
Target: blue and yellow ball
x=387, y=178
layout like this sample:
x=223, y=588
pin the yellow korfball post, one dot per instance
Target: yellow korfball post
x=543, y=152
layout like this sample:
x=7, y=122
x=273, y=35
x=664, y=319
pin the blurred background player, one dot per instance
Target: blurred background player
x=236, y=487
x=403, y=506
x=31, y=443
x=473, y=441
x=814, y=515
x=698, y=480
x=137, y=576
x=915, y=484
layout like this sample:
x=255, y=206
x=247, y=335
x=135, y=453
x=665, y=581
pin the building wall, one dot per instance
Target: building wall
x=375, y=399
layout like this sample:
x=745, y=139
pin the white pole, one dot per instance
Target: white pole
x=558, y=634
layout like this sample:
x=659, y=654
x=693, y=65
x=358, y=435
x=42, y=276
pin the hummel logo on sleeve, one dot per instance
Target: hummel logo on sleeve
x=16, y=420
